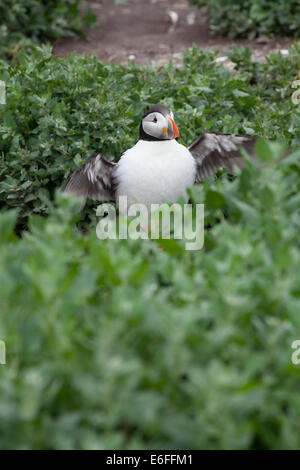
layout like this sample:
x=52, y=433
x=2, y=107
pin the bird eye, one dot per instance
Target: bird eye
x=155, y=120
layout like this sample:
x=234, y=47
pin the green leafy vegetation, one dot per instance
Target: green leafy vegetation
x=116, y=344
x=248, y=18
x=59, y=111
x=23, y=23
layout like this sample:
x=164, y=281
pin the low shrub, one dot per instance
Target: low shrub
x=59, y=111
x=248, y=18
x=117, y=345
x=22, y=22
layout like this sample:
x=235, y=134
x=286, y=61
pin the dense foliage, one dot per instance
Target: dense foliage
x=22, y=22
x=116, y=344
x=250, y=18
x=59, y=111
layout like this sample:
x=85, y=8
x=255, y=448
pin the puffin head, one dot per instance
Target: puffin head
x=158, y=124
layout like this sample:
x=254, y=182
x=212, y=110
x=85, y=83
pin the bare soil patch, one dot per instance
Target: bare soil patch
x=154, y=30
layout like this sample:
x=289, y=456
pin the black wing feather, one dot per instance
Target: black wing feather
x=214, y=150
x=94, y=179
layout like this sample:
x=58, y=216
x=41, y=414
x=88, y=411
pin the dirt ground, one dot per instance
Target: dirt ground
x=154, y=30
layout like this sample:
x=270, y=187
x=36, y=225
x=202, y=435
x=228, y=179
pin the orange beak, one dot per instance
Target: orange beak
x=175, y=130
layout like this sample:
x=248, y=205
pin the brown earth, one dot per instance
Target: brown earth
x=154, y=30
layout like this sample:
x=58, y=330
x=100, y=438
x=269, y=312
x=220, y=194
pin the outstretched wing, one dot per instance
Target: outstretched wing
x=214, y=150
x=93, y=179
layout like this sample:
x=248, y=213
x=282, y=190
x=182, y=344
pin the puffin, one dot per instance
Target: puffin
x=158, y=168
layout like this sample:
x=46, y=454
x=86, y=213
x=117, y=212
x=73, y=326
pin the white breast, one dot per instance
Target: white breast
x=155, y=172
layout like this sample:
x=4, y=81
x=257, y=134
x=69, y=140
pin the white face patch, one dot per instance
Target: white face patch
x=156, y=125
